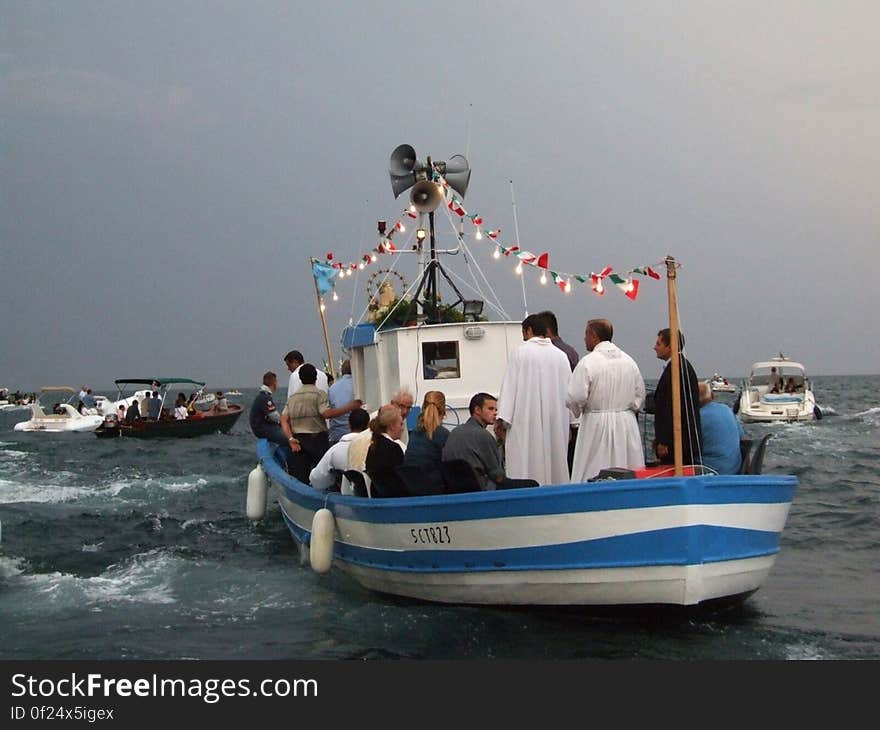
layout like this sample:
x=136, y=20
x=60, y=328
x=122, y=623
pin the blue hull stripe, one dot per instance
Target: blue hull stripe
x=569, y=498
x=676, y=546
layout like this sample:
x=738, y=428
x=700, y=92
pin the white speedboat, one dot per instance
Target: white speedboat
x=792, y=400
x=720, y=384
x=64, y=417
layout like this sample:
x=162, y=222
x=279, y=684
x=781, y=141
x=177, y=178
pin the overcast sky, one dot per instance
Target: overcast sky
x=168, y=168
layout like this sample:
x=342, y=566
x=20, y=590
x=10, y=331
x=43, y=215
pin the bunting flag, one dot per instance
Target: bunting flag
x=324, y=275
x=632, y=290
x=324, y=272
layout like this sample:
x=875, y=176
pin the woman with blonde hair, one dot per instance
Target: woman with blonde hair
x=427, y=439
x=385, y=452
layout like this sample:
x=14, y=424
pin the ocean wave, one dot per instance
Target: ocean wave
x=57, y=491
x=801, y=652
x=12, y=492
x=11, y=567
x=144, y=578
x=13, y=454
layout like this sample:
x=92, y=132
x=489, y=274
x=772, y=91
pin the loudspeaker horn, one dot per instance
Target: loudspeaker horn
x=403, y=160
x=426, y=196
x=402, y=167
x=458, y=173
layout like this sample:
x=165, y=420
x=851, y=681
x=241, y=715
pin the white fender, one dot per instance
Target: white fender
x=321, y=544
x=258, y=488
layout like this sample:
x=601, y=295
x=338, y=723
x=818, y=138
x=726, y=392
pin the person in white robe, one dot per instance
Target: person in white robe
x=607, y=391
x=531, y=407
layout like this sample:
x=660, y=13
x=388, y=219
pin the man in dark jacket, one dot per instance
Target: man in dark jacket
x=690, y=405
x=264, y=417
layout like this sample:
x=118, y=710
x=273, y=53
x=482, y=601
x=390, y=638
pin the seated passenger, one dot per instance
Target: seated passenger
x=180, y=407
x=134, y=412
x=471, y=442
x=386, y=452
x=426, y=441
x=336, y=457
x=265, y=420
x=791, y=386
x=722, y=433
x=220, y=402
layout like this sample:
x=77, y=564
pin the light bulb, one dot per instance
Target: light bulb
x=496, y=254
x=478, y=235
x=361, y=265
x=373, y=258
x=335, y=297
x=518, y=268
x=567, y=287
x=543, y=278
x=323, y=307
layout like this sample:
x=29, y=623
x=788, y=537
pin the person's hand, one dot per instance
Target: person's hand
x=357, y=403
x=662, y=450
x=499, y=429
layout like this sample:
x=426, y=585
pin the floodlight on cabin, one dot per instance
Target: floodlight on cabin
x=472, y=308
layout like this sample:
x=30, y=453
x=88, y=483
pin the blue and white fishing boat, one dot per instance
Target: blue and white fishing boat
x=664, y=540
x=662, y=536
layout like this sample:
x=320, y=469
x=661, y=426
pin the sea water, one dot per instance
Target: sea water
x=122, y=548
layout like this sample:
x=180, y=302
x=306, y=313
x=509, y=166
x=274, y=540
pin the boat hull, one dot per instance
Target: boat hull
x=199, y=425
x=60, y=424
x=756, y=409
x=679, y=541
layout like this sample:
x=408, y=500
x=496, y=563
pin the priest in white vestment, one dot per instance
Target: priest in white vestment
x=531, y=405
x=607, y=391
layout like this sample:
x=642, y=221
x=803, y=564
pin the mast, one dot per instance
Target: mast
x=676, y=365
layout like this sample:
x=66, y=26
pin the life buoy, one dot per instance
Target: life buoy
x=258, y=488
x=321, y=543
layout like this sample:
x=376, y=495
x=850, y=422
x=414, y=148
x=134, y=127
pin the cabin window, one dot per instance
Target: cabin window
x=440, y=360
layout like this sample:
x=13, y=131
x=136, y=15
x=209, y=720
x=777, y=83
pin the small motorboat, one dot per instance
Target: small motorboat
x=64, y=417
x=777, y=390
x=720, y=384
x=198, y=422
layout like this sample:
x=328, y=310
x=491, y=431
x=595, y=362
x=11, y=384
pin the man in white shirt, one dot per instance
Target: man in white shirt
x=294, y=360
x=336, y=457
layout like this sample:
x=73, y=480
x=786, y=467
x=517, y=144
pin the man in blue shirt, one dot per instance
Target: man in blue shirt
x=721, y=434
x=342, y=396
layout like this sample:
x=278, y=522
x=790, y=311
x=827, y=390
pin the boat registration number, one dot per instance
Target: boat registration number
x=435, y=535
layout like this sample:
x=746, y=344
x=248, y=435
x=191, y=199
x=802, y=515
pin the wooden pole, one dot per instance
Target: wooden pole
x=676, y=365
x=323, y=325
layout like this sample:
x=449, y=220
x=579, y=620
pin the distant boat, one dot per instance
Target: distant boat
x=759, y=403
x=720, y=384
x=233, y=392
x=197, y=422
x=64, y=417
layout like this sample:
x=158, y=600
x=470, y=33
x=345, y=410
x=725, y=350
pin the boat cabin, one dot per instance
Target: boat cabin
x=457, y=358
